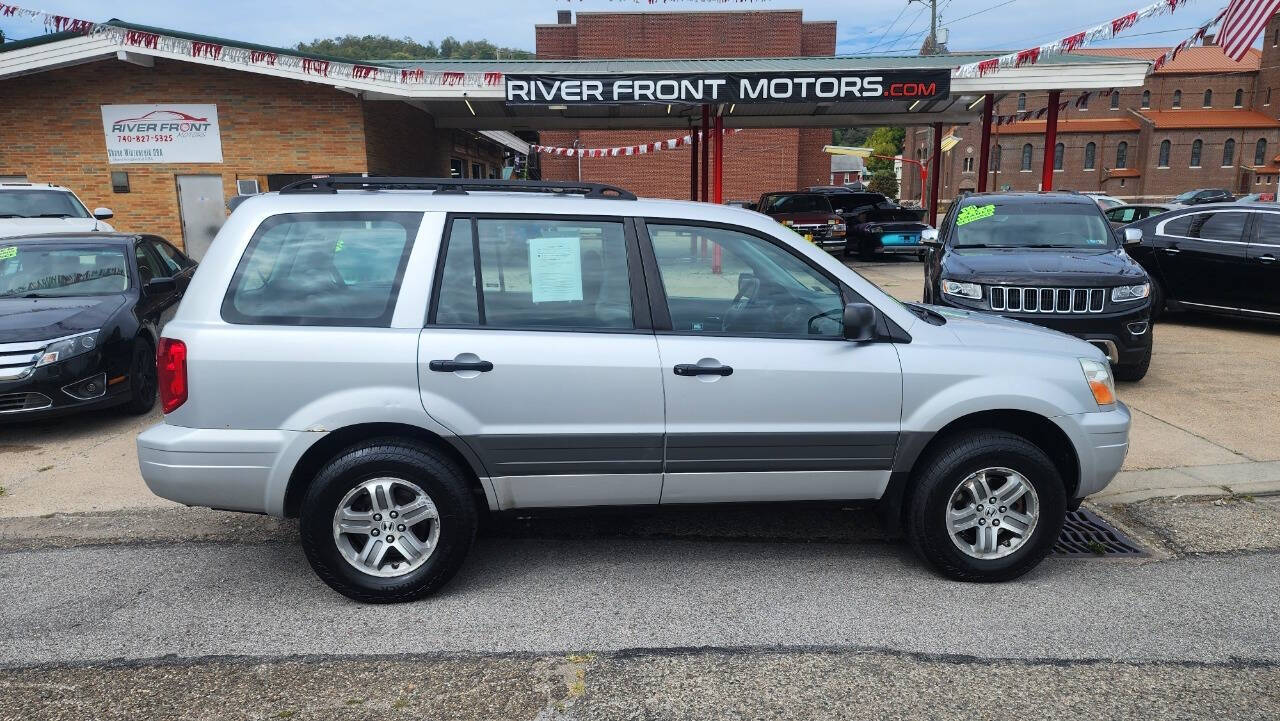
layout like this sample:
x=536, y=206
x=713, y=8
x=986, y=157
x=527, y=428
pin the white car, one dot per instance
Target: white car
x=1103, y=200
x=29, y=208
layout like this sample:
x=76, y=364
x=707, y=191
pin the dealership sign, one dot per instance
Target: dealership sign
x=774, y=87
x=162, y=133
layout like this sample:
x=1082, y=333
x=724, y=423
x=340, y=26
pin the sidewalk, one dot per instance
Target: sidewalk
x=1217, y=480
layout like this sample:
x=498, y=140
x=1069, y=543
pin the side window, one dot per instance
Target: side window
x=1267, y=228
x=761, y=289
x=171, y=253
x=169, y=262
x=339, y=269
x=1122, y=215
x=1180, y=226
x=148, y=266
x=535, y=273
x=1219, y=226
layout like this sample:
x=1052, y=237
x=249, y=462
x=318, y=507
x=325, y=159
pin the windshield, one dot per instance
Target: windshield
x=1185, y=196
x=40, y=204
x=1031, y=225
x=847, y=202
x=47, y=270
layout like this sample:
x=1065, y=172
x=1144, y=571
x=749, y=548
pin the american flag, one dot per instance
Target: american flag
x=1242, y=23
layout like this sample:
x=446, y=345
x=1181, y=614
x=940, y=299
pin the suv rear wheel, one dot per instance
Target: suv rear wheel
x=387, y=521
x=987, y=506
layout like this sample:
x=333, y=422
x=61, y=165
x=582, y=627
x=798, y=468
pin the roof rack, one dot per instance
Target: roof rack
x=333, y=184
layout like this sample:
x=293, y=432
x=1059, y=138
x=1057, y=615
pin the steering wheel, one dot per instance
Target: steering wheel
x=836, y=314
x=748, y=286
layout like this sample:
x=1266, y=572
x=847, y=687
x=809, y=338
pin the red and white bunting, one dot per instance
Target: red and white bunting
x=204, y=50
x=1071, y=43
x=642, y=149
x=1039, y=113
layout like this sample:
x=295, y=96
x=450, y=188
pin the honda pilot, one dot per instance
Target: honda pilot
x=391, y=359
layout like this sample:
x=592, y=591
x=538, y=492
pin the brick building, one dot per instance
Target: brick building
x=273, y=130
x=755, y=161
x=1200, y=121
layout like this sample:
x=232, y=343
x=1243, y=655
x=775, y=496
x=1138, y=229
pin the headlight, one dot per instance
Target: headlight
x=837, y=227
x=873, y=228
x=1098, y=375
x=68, y=347
x=964, y=290
x=1122, y=293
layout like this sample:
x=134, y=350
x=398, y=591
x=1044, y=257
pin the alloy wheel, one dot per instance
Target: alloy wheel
x=992, y=513
x=386, y=527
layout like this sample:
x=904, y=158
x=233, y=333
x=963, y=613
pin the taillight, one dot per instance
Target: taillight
x=171, y=364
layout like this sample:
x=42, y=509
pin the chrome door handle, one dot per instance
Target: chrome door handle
x=1172, y=251
x=1268, y=258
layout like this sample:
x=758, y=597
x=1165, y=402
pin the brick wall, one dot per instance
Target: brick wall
x=755, y=161
x=53, y=132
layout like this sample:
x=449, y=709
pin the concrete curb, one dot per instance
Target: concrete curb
x=1214, y=480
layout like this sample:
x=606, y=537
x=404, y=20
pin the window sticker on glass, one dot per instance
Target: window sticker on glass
x=555, y=269
x=8, y=252
x=1095, y=241
x=975, y=212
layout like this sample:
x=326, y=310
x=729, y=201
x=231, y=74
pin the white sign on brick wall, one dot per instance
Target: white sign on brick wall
x=162, y=134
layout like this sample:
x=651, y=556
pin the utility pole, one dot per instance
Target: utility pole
x=933, y=23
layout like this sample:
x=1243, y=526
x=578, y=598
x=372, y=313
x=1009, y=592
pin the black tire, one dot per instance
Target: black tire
x=865, y=250
x=1133, y=372
x=434, y=472
x=941, y=473
x=1157, y=301
x=143, y=381
x=845, y=252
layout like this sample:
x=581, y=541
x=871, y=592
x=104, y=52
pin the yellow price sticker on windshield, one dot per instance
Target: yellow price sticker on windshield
x=8, y=252
x=975, y=212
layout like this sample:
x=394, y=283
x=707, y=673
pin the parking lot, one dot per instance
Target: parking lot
x=810, y=602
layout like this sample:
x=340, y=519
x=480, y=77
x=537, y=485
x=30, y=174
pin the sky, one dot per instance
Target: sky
x=864, y=26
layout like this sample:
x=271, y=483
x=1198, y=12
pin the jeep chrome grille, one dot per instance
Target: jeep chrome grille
x=1047, y=300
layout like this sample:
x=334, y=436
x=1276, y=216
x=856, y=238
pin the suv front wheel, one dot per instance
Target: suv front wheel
x=387, y=521
x=987, y=506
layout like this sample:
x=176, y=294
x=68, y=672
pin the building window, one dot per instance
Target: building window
x=1122, y=182
x=967, y=164
x=1058, y=151
x=477, y=170
x=1022, y=101
x=1115, y=100
x=1208, y=98
x=1177, y=99
x=1146, y=99
x=1196, y=147
x=455, y=167
x=1239, y=97
x=1228, y=153
x=996, y=152
x=119, y=181
x=1275, y=38
x=1090, y=152
x=1260, y=152
x=1083, y=102
x=1257, y=180
x=1122, y=155
x=1163, y=161
x=1026, y=158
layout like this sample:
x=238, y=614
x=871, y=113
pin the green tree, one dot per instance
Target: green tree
x=853, y=137
x=886, y=141
x=385, y=47
x=884, y=182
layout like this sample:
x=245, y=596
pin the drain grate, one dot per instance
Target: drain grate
x=1086, y=534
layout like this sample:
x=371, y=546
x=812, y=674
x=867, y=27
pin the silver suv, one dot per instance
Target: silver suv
x=388, y=359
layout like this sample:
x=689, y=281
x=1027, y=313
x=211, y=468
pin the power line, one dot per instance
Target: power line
x=880, y=40
x=993, y=7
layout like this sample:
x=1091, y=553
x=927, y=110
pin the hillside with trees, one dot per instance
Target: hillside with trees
x=384, y=47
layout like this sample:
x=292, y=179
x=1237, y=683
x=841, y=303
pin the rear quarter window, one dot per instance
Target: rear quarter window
x=335, y=269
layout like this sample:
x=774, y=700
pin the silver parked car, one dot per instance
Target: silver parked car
x=389, y=359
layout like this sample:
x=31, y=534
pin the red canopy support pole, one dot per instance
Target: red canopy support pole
x=935, y=172
x=1050, y=140
x=706, y=147
x=693, y=163
x=716, y=259
x=986, y=143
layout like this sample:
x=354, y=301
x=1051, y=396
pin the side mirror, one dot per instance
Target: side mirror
x=1132, y=236
x=859, y=322
x=929, y=237
x=103, y=213
x=159, y=286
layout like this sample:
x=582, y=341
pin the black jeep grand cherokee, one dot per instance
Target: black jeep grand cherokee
x=1046, y=258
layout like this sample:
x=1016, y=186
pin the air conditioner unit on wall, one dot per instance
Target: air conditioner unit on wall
x=247, y=186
